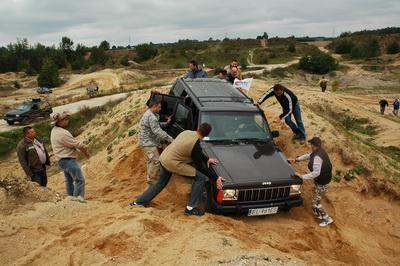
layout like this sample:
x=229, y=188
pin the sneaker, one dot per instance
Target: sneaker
x=134, y=204
x=326, y=222
x=73, y=198
x=81, y=199
x=194, y=211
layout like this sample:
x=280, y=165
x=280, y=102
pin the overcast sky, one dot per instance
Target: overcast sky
x=118, y=21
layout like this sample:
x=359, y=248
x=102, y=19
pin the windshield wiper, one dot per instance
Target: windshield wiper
x=224, y=141
x=251, y=140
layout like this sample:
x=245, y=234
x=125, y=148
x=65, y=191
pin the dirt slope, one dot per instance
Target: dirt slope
x=105, y=231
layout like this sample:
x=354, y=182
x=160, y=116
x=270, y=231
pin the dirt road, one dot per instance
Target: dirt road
x=72, y=108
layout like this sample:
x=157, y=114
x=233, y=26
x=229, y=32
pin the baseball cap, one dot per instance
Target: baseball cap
x=56, y=117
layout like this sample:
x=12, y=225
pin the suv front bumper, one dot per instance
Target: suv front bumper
x=243, y=208
x=13, y=119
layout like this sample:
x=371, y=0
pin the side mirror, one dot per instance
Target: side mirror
x=275, y=133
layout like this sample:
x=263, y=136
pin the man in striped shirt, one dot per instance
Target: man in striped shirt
x=290, y=105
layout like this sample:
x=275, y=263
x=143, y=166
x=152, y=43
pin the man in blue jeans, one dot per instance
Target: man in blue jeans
x=290, y=105
x=65, y=148
x=179, y=158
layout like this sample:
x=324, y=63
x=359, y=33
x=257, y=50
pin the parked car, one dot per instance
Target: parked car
x=259, y=178
x=44, y=90
x=28, y=111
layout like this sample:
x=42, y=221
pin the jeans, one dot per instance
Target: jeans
x=299, y=128
x=152, y=191
x=74, y=179
x=40, y=177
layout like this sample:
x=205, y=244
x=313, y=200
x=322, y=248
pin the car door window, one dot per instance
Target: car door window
x=168, y=103
x=183, y=116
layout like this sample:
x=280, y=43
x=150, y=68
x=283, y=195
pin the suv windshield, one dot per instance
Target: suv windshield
x=236, y=126
x=24, y=107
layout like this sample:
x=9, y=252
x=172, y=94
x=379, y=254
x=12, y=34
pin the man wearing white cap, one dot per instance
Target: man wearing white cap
x=65, y=148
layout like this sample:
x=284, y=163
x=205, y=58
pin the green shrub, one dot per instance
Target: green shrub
x=318, y=63
x=349, y=175
x=291, y=48
x=343, y=46
x=367, y=49
x=145, y=51
x=109, y=158
x=393, y=47
x=48, y=76
x=132, y=132
x=359, y=169
x=336, y=178
x=124, y=60
x=278, y=72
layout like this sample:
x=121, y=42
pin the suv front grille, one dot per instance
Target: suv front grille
x=263, y=194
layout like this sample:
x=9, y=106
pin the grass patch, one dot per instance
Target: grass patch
x=360, y=125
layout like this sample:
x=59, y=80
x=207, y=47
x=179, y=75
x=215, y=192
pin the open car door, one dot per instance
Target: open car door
x=168, y=103
x=181, y=120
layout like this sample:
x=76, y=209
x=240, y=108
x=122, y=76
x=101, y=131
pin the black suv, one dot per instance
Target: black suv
x=28, y=111
x=259, y=178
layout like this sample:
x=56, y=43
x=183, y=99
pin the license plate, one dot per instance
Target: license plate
x=263, y=211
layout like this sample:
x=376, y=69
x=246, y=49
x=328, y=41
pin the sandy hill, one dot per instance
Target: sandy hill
x=41, y=227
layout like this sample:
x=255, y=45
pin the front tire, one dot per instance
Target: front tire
x=10, y=122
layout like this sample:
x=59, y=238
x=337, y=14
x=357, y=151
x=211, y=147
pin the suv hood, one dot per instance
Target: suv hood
x=15, y=112
x=251, y=164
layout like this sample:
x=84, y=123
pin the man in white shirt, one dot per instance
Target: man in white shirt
x=320, y=168
x=65, y=148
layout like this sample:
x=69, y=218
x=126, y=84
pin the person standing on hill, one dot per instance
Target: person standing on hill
x=290, y=105
x=33, y=156
x=65, y=148
x=323, y=83
x=184, y=157
x=150, y=137
x=234, y=74
x=233, y=64
x=396, y=107
x=320, y=168
x=383, y=104
x=194, y=71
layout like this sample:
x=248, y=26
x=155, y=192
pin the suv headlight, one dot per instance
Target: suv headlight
x=295, y=190
x=16, y=115
x=230, y=194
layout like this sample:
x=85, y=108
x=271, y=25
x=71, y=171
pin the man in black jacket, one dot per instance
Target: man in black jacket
x=33, y=156
x=320, y=168
x=290, y=105
x=383, y=103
